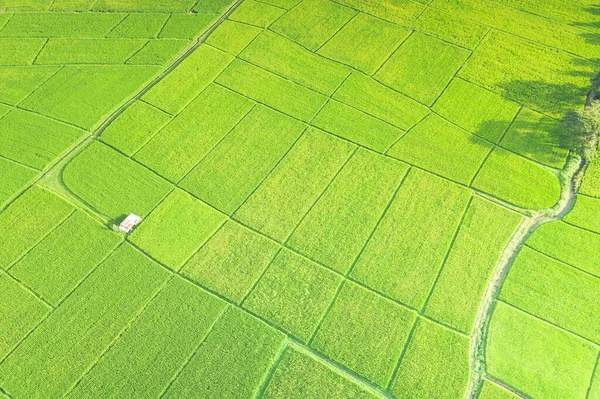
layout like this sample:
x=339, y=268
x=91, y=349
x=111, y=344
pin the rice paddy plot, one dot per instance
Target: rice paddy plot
x=401, y=12
x=256, y=13
x=450, y=28
x=19, y=51
x=59, y=24
x=591, y=181
x=13, y=179
x=62, y=51
x=72, y=5
x=16, y=83
x=489, y=390
x=187, y=26
x=212, y=6
x=585, y=213
x=170, y=6
x=142, y=26
x=232, y=37
x=158, y=52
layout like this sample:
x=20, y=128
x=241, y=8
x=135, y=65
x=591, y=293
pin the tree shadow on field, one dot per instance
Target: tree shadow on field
x=592, y=36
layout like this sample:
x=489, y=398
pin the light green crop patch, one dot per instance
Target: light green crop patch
x=70, y=50
x=272, y=90
x=20, y=311
x=61, y=24
x=294, y=294
x=484, y=234
x=448, y=27
x=231, y=262
x=158, y=52
x=256, y=13
x=292, y=61
x=86, y=95
x=357, y=126
x=27, y=220
x=19, y=51
x=187, y=26
x=97, y=310
x=422, y=67
x=35, y=140
x=591, y=181
x=370, y=96
x=233, y=362
x=365, y=332
x=436, y=364
x=585, y=213
x=143, y=26
x=569, y=244
x=188, y=79
x=16, y=83
x=442, y=148
x=300, y=376
x=112, y=183
x=14, y=178
x=538, y=137
x=232, y=37
x=287, y=4
x=55, y=266
x=537, y=358
x=282, y=200
x=490, y=390
x=406, y=251
x=177, y=228
x=148, y=355
x=313, y=22
x=555, y=292
x=177, y=148
x=339, y=224
x=518, y=181
x=241, y=161
x=402, y=12
x=72, y=5
x=170, y=6
x=213, y=6
x=134, y=127
x=594, y=389
x=477, y=110
x=365, y=43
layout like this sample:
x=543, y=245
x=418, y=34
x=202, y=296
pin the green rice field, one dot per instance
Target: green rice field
x=338, y=198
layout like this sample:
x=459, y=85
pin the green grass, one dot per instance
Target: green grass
x=357, y=126
x=422, y=67
x=591, y=181
x=435, y=365
x=442, y=148
x=477, y=110
x=484, y=234
x=340, y=223
x=518, y=181
x=145, y=25
x=370, y=96
x=232, y=37
x=231, y=262
x=313, y=22
x=187, y=26
x=537, y=358
x=585, y=213
x=396, y=260
x=282, y=200
x=13, y=179
x=158, y=52
x=233, y=361
x=272, y=90
x=185, y=141
x=256, y=13
x=70, y=50
x=450, y=28
x=27, y=220
x=365, y=333
x=555, y=292
x=177, y=228
x=401, y=12
x=112, y=183
x=59, y=24
x=19, y=51
x=16, y=83
x=365, y=43
x=239, y=163
x=20, y=311
x=294, y=294
x=490, y=390
x=160, y=340
x=71, y=339
x=55, y=266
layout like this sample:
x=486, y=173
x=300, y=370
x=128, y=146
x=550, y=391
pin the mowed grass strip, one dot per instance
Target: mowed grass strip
x=450, y=28
x=233, y=361
x=484, y=234
x=370, y=96
x=365, y=332
x=292, y=61
x=53, y=358
x=591, y=181
x=20, y=311
x=365, y=43
x=554, y=292
x=239, y=163
x=16, y=83
x=232, y=37
x=357, y=126
x=70, y=50
x=442, y=148
x=188, y=79
x=158, y=52
x=231, y=262
x=178, y=147
x=301, y=376
x=280, y=202
x=19, y=51
x=61, y=24
x=537, y=358
x=272, y=90
x=143, y=26
x=477, y=110
x=518, y=181
x=27, y=220
x=147, y=356
x=256, y=13
x=436, y=364
x=54, y=267
x=313, y=22
x=406, y=251
x=177, y=228
x=13, y=179
x=339, y=224
x=112, y=183
x=585, y=213
x=422, y=67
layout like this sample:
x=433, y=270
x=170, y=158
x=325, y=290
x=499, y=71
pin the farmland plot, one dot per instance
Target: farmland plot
x=13, y=179
x=585, y=213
